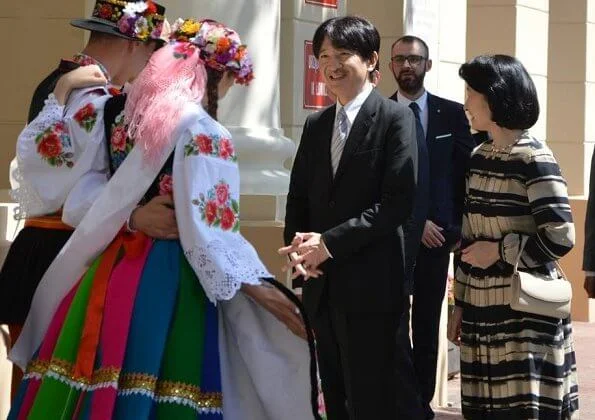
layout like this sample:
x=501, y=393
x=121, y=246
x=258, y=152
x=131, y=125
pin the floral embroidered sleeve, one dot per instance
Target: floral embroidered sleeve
x=57, y=148
x=206, y=191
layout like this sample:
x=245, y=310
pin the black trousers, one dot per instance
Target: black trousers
x=357, y=362
x=429, y=284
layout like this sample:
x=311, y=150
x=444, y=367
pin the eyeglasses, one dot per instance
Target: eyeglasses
x=413, y=59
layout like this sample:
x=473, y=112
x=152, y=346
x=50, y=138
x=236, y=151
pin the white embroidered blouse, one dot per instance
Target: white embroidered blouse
x=61, y=157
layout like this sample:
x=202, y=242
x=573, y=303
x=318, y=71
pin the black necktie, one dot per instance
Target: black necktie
x=423, y=165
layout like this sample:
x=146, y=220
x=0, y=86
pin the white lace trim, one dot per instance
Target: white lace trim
x=223, y=268
x=30, y=202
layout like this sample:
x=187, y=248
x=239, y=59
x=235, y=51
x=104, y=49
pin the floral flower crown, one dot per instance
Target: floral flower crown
x=220, y=47
x=141, y=20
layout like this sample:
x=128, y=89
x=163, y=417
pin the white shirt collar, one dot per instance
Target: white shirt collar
x=352, y=107
x=422, y=101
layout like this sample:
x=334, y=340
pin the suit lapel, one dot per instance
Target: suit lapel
x=360, y=127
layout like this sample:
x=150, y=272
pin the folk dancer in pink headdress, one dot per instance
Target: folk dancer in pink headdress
x=167, y=328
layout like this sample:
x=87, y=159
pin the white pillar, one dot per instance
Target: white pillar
x=251, y=113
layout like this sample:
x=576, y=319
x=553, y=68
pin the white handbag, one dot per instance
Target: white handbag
x=540, y=294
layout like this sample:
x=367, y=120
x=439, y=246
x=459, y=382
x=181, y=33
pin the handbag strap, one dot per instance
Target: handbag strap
x=518, y=257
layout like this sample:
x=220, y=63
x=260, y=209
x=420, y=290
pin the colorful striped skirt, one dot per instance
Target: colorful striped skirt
x=135, y=338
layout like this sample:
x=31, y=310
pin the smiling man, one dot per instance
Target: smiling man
x=352, y=187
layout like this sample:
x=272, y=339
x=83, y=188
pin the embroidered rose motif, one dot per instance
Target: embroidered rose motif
x=228, y=218
x=211, y=145
x=222, y=193
x=226, y=150
x=118, y=139
x=166, y=186
x=51, y=145
x=120, y=143
x=86, y=117
x=204, y=143
x=210, y=212
x=218, y=208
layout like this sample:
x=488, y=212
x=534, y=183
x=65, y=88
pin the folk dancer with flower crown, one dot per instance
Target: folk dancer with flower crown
x=162, y=328
x=54, y=173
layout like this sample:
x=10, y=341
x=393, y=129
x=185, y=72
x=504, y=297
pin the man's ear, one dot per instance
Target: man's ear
x=428, y=64
x=372, y=61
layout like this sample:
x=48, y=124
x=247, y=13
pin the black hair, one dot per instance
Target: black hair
x=410, y=39
x=352, y=33
x=507, y=87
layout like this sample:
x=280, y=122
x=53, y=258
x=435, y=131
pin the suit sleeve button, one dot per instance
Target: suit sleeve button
x=331, y=204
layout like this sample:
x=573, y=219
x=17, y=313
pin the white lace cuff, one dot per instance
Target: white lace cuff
x=222, y=269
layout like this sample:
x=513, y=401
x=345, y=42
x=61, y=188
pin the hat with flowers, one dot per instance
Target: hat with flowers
x=220, y=47
x=133, y=20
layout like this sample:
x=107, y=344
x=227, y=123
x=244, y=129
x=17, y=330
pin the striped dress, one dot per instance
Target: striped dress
x=514, y=365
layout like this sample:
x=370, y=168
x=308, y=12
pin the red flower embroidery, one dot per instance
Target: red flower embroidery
x=166, y=186
x=105, y=11
x=50, y=146
x=228, y=219
x=119, y=139
x=204, y=143
x=211, y=212
x=222, y=193
x=86, y=117
x=226, y=148
x=218, y=209
x=84, y=113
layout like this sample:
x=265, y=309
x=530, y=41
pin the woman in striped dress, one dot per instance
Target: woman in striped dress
x=514, y=365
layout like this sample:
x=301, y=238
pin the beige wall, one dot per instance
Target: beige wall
x=514, y=27
x=36, y=35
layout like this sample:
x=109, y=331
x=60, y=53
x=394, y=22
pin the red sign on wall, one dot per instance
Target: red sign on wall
x=316, y=94
x=324, y=3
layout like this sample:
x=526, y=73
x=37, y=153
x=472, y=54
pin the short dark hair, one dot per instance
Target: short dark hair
x=410, y=39
x=508, y=88
x=352, y=33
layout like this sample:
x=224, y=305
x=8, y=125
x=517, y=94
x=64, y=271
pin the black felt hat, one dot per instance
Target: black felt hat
x=133, y=20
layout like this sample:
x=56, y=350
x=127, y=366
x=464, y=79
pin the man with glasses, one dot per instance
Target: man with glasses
x=444, y=144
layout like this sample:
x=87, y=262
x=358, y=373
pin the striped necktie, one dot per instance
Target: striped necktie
x=339, y=137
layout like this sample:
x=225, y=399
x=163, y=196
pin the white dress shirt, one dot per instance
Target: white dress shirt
x=352, y=107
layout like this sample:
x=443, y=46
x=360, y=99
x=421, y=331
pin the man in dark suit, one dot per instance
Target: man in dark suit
x=589, y=250
x=351, y=189
x=445, y=144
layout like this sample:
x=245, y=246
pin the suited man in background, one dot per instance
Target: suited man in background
x=445, y=143
x=351, y=189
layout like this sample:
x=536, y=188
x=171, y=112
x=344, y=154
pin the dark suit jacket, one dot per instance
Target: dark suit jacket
x=450, y=143
x=361, y=210
x=589, y=250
